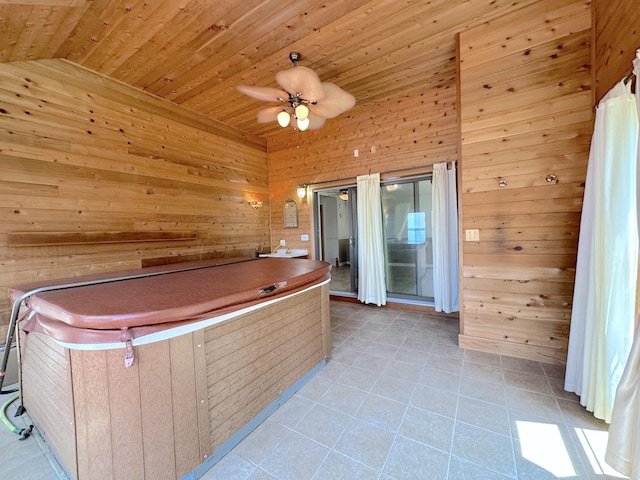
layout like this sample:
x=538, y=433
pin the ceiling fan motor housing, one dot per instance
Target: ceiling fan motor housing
x=295, y=57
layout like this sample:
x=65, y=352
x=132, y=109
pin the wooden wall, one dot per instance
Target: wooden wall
x=97, y=176
x=526, y=121
x=617, y=37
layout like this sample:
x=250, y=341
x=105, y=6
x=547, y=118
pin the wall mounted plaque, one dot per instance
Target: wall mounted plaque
x=290, y=214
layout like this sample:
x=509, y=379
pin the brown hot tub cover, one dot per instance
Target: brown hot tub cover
x=175, y=296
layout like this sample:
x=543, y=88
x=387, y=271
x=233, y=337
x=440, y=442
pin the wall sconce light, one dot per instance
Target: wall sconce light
x=255, y=205
x=344, y=195
x=302, y=191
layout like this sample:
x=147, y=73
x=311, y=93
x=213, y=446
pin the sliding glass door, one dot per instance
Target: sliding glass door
x=406, y=209
x=336, y=236
x=408, y=236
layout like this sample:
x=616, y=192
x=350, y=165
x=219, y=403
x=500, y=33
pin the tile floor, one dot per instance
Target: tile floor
x=399, y=400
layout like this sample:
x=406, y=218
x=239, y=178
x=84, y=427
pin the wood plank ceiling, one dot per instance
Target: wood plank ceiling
x=195, y=52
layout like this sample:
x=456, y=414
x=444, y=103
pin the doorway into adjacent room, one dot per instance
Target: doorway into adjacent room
x=406, y=207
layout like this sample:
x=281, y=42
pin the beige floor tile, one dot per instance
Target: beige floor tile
x=484, y=415
x=323, y=425
x=394, y=388
x=440, y=379
x=484, y=391
x=482, y=371
x=359, y=378
x=382, y=412
x=230, y=466
x=366, y=443
x=296, y=457
x=261, y=442
x=414, y=461
x=339, y=467
x=343, y=398
x=527, y=381
x=429, y=428
x=485, y=448
x=435, y=400
x=460, y=469
x=291, y=411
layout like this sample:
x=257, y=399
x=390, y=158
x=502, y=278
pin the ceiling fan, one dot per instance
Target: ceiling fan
x=307, y=100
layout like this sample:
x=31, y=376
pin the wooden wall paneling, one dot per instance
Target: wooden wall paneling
x=202, y=396
x=158, y=417
x=487, y=40
x=261, y=344
x=125, y=416
x=94, y=435
x=46, y=392
x=326, y=321
x=617, y=37
x=525, y=114
x=184, y=394
x=116, y=436
x=84, y=156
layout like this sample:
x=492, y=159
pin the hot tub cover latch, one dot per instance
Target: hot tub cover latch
x=129, y=357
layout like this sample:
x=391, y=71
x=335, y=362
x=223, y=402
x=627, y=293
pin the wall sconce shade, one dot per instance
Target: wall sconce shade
x=255, y=205
x=302, y=191
x=344, y=195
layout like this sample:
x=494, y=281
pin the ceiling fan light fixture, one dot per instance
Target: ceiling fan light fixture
x=302, y=112
x=303, y=124
x=308, y=101
x=284, y=118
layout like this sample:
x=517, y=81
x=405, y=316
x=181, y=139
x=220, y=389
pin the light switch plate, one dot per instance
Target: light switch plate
x=472, y=235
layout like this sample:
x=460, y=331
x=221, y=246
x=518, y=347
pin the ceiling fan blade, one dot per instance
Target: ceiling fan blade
x=301, y=80
x=335, y=102
x=266, y=94
x=315, y=122
x=270, y=114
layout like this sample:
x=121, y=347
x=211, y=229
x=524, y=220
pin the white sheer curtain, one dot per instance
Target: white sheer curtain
x=445, y=239
x=371, y=281
x=623, y=447
x=603, y=310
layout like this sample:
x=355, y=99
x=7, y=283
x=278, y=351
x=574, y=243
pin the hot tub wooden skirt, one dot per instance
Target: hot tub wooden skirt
x=184, y=402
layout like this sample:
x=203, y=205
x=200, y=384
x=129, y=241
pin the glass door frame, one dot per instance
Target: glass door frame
x=319, y=238
x=318, y=234
x=419, y=296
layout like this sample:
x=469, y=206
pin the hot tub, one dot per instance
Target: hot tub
x=157, y=373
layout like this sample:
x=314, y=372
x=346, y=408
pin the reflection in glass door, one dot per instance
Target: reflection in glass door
x=408, y=236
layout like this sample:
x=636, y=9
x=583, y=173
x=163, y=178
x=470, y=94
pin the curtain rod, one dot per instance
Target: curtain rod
x=388, y=172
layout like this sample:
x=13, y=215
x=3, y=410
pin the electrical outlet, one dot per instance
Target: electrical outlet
x=282, y=243
x=355, y=153
x=472, y=235
x=304, y=238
